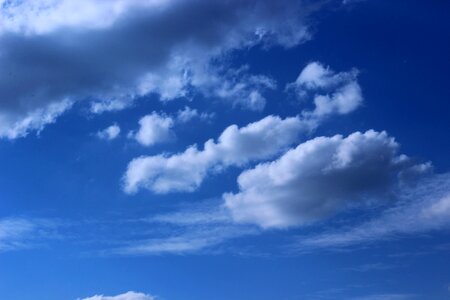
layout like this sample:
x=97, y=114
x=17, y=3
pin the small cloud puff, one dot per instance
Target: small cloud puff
x=154, y=128
x=109, y=133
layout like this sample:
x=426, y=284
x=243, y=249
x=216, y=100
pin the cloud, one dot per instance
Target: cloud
x=12, y=127
x=126, y=296
x=333, y=93
x=113, y=52
x=20, y=233
x=387, y=297
x=154, y=128
x=195, y=239
x=109, y=133
x=198, y=228
x=320, y=178
x=187, y=114
x=235, y=147
x=371, y=267
x=423, y=207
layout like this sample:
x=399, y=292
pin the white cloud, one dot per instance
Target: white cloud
x=126, y=296
x=236, y=85
x=333, y=93
x=343, y=101
x=109, y=133
x=154, y=128
x=236, y=146
x=174, y=48
x=422, y=207
x=260, y=140
x=319, y=178
x=187, y=114
x=12, y=127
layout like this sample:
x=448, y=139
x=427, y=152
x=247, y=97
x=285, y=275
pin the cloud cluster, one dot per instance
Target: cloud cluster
x=235, y=146
x=126, y=296
x=113, y=52
x=319, y=178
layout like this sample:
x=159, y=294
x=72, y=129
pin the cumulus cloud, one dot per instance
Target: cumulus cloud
x=423, y=207
x=154, y=128
x=319, y=178
x=126, y=296
x=333, y=93
x=109, y=133
x=116, y=51
x=235, y=146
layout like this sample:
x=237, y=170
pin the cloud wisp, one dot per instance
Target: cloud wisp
x=125, y=296
x=201, y=229
x=422, y=208
x=22, y=233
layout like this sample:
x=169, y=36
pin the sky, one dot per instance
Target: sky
x=224, y=150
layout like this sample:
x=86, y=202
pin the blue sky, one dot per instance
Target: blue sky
x=245, y=150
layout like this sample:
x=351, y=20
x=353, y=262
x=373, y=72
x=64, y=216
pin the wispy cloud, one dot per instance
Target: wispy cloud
x=21, y=233
x=125, y=296
x=387, y=297
x=205, y=228
x=420, y=209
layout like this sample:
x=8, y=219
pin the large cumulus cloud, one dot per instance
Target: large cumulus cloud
x=319, y=178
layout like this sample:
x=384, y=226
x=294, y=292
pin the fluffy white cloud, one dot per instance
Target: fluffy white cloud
x=154, y=128
x=333, y=93
x=236, y=146
x=113, y=52
x=126, y=296
x=319, y=178
x=109, y=133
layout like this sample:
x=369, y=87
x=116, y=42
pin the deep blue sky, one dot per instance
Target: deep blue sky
x=69, y=229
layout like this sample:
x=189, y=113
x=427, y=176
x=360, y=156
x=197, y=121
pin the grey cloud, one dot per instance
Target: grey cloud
x=162, y=50
x=423, y=207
